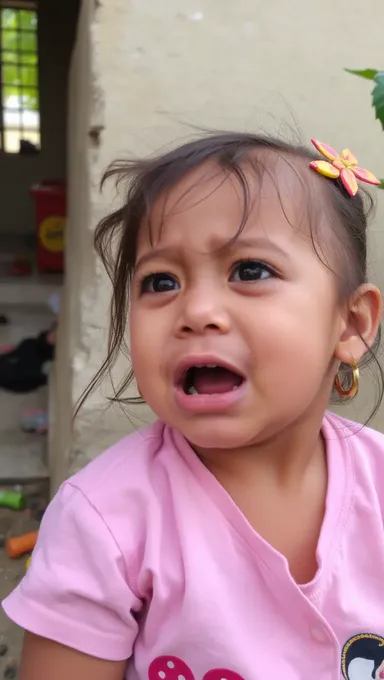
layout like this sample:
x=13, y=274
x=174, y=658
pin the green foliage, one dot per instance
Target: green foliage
x=378, y=97
x=367, y=73
x=378, y=91
x=19, y=57
x=377, y=94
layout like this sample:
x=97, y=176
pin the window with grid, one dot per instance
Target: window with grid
x=19, y=110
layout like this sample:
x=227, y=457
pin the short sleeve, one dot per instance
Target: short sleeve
x=76, y=590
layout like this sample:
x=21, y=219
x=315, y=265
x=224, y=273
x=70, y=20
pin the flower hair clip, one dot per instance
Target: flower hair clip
x=342, y=166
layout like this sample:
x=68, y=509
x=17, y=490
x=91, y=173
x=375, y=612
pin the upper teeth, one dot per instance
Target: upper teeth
x=205, y=366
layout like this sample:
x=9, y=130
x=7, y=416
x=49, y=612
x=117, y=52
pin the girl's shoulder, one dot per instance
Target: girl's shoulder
x=131, y=451
x=133, y=465
x=82, y=588
x=364, y=445
x=343, y=428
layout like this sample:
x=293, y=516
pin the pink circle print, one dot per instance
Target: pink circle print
x=169, y=668
x=172, y=668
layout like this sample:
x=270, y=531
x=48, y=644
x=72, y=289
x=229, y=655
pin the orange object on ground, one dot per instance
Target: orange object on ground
x=20, y=545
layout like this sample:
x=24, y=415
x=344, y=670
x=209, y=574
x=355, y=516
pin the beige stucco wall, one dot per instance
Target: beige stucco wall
x=143, y=73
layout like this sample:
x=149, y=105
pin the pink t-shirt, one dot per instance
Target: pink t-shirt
x=144, y=555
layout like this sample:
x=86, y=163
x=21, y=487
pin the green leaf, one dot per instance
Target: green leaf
x=367, y=73
x=378, y=97
x=381, y=185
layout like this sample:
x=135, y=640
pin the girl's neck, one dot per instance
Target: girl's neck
x=283, y=460
x=280, y=486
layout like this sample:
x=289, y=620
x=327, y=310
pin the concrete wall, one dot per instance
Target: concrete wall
x=61, y=383
x=57, y=22
x=158, y=68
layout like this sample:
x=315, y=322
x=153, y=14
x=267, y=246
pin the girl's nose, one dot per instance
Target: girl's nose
x=204, y=312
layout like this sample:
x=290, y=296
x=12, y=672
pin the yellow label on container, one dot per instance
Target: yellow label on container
x=51, y=233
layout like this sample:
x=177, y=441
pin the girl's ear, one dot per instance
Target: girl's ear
x=361, y=324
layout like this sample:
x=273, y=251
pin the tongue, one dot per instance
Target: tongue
x=214, y=380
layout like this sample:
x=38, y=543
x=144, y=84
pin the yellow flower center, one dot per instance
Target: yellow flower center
x=341, y=163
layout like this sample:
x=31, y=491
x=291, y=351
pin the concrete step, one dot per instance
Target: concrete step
x=22, y=457
x=13, y=405
x=35, y=290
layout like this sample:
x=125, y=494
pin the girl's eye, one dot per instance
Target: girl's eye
x=251, y=270
x=159, y=283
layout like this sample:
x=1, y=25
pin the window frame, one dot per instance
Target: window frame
x=29, y=5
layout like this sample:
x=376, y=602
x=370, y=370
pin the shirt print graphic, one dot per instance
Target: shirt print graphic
x=172, y=668
x=363, y=657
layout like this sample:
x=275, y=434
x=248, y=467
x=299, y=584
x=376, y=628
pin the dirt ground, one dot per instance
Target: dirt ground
x=24, y=305
x=12, y=571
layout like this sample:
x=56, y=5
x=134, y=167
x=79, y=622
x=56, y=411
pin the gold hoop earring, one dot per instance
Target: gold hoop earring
x=354, y=388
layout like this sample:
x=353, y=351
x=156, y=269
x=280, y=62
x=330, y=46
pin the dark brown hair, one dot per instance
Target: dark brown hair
x=148, y=179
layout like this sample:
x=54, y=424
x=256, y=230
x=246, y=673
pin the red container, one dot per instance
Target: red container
x=51, y=211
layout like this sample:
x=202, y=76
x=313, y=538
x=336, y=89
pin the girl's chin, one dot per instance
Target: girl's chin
x=214, y=439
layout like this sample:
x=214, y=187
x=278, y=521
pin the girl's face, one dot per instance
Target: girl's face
x=261, y=307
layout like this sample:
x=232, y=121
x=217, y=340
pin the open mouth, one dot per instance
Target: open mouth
x=210, y=379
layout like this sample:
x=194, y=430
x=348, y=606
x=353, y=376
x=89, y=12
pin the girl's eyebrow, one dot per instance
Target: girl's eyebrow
x=173, y=252
x=261, y=242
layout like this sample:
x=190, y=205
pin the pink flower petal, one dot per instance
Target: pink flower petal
x=348, y=156
x=349, y=181
x=365, y=176
x=325, y=168
x=325, y=150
